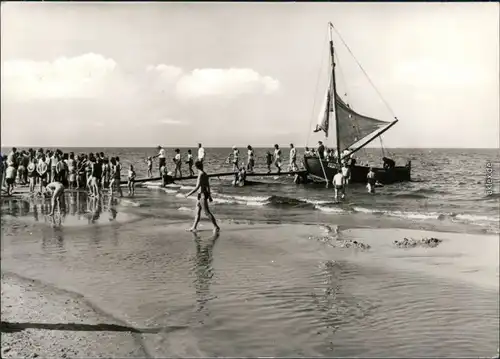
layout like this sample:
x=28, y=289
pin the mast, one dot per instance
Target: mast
x=333, y=96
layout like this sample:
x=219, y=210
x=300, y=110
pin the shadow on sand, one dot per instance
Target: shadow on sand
x=8, y=327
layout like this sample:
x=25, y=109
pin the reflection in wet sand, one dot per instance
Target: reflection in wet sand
x=76, y=208
x=203, y=270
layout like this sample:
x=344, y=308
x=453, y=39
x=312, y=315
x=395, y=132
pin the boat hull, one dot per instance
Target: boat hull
x=358, y=173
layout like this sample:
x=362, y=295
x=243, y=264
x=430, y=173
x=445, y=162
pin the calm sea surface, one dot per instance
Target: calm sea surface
x=265, y=287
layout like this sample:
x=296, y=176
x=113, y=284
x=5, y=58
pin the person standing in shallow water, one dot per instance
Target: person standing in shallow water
x=204, y=196
x=189, y=162
x=251, y=159
x=371, y=181
x=277, y=157
x=293, y=159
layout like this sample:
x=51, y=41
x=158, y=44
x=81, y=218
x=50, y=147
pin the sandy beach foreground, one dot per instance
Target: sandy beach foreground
x=42, y=321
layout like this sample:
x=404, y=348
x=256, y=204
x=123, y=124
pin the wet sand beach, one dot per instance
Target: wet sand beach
x=257, y=289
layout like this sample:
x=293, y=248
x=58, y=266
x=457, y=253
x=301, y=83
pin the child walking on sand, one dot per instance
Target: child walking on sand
x=131, y=180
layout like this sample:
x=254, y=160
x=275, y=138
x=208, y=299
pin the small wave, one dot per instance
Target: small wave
x=402, y=214
x=243, y=198
x=171, y=191
x=185, y=209
x=173, y=185
x=127, y=202
x=235, y=201
x=187, y=188
x=410, y=195
x=329, y=209
x=474, y=218
x=429, y=191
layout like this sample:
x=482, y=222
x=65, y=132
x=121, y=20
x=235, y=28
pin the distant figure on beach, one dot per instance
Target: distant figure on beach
x=251, y=159
x=321, y=150
x=307, y=152
x=236, y=159
x=71, y=170
x=106, y=174
x=96, y=176
x=201, y=153
x=31, y=169
x=293, y=159
x=371, y=181
x=269, y=161
x=277, y=157
x=149, y=162
x=131, y=180
x=42, y=169
x=189, y=162
x=177, y=162
x=162, y=158
x=10, y=178
x=338, y=181
x=57, y=190
x=115, y=177
x=204, y=196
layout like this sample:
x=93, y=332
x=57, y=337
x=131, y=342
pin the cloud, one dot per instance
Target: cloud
x=77, y=77
x=169, y=121
x=167, y=72
x=227, y=83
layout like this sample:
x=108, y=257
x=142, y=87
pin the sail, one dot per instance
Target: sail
x=353, y=126
x=326, y=112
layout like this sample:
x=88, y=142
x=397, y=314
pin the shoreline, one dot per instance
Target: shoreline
x=39, y=320
x=358, y=220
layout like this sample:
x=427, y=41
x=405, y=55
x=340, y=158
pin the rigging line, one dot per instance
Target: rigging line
x=317, y=86
x=364, y=72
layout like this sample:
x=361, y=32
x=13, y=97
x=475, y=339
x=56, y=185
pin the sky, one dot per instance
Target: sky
x=175, y=74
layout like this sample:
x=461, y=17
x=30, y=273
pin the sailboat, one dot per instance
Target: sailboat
x=353, y=132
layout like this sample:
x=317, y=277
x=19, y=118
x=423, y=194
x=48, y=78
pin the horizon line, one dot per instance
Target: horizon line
x=229, y=147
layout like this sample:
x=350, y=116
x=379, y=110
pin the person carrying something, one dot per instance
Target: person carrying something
x=204, y=197
x=189, y=162
x=338, y=181
x=178, y=163
x=162, y=158
x=250, y=159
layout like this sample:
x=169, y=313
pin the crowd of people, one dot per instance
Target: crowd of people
x=42, y=169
